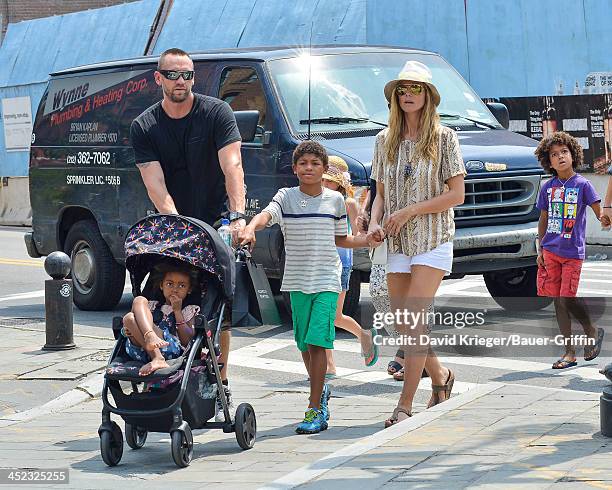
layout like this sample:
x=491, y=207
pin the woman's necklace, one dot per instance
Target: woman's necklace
x=307, y=198
x=563, y=182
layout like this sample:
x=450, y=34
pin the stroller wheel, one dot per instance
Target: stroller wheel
x=182, y=447
x=135, y=436
x=246, y=426
x=111, y=445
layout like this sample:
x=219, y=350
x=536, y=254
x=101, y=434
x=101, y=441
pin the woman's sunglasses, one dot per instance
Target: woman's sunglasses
x=413, y=88
x=174, y=74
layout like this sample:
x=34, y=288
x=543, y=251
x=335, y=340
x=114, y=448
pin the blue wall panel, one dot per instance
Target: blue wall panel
x=248, y=23
x=526, y=48
x=598, y=20
x=434, y=25
x=33, y=49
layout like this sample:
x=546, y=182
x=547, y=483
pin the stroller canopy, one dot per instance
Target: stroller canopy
x=181, y=238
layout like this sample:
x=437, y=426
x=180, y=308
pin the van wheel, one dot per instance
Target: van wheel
x=516, y=289
x=351, y=300
x=98, y=279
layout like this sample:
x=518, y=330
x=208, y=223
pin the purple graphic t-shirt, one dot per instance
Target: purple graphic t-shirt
x=566, y=203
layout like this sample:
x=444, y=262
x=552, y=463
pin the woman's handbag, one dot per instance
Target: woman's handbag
x=378, y=255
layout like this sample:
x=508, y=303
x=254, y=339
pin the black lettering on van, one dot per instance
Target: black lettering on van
x=62, y=98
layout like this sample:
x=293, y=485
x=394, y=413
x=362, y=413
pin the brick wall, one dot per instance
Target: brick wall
x=12, y=11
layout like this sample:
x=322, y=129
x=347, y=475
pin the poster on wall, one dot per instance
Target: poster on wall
x=17, y=121
x=586, y=117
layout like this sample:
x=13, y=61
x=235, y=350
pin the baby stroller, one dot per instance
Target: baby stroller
x=183, y=395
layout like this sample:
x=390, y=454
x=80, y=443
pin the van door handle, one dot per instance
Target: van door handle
x=267, y=136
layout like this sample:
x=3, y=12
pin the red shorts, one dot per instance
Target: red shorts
x=560, y=277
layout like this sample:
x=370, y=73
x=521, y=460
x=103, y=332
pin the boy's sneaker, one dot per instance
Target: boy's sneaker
x=220, y=416
x=314, y=422
x=325, y=396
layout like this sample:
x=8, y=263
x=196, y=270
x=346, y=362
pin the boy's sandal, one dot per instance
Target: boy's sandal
x=591, y=353
x=393, y=367
x=564, y=363
x=447, y=388
x=394, y=419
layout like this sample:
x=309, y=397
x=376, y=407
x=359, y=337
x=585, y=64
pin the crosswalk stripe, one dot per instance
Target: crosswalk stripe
x=250, y=357
x=360, y=376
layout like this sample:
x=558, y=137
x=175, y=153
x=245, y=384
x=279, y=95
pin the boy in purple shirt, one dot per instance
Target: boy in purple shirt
x=561, y=239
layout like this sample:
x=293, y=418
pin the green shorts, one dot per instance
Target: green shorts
x=313, y=319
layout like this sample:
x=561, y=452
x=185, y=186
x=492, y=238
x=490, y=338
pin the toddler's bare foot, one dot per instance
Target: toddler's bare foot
x=152, y=341
x=153, y=366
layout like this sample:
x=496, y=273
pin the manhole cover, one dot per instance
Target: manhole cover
x=15, y=322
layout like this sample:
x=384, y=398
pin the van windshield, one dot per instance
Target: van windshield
x=347, y=91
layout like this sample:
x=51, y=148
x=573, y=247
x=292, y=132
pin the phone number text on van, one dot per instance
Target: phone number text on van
x=93, y=179
x=89, y=158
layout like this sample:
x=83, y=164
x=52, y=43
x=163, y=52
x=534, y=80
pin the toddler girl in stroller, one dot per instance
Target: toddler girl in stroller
x=182, y=375
x=157, y=330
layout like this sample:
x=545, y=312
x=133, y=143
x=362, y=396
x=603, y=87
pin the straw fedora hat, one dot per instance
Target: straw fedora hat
x=413, y=71
x=337, y=172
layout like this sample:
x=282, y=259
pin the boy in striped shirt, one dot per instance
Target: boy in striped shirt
x=313, y=221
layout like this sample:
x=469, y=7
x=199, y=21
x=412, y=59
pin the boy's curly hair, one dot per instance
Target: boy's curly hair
x=311, y=147
x=542, y=152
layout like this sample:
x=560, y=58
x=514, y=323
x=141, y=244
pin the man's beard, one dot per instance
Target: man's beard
x=177, y=97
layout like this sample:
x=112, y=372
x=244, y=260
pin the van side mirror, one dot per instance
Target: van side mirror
x=247, y=124
x=500, y=111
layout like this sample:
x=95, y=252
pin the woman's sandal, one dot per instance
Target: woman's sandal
x=447, y=388
x=394, y=419
x=399, y=376
x=393, y=367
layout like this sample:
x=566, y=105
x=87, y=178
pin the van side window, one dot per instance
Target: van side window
x=241, y=88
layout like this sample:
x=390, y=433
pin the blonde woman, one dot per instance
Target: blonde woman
x=419, y=176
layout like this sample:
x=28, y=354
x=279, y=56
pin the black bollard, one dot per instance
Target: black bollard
x=605, y=411
x=605, y=404
x=58, y=303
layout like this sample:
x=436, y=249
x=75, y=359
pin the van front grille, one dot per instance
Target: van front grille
x=498, y=197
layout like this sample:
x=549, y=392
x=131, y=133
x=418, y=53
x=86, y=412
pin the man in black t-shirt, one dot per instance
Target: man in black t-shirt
x=187, y=148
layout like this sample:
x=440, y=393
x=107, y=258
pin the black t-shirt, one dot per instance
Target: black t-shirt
x=187, y=151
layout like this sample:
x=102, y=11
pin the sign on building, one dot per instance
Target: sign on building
x=17, y=120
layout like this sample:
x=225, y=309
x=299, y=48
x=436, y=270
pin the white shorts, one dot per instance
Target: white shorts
x=440, y=257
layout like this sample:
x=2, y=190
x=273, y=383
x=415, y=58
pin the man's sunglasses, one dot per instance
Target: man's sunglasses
x=413, y=88
x=174, y=74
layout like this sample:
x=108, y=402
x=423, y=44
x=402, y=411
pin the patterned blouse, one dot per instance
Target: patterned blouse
x=408, y=182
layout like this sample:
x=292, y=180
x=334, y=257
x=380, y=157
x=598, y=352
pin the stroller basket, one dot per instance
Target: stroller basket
x=195, y=407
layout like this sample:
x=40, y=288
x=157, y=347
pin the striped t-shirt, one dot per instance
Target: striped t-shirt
x=310, y=225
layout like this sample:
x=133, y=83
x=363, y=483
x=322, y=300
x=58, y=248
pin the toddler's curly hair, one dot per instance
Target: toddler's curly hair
x=542, y=152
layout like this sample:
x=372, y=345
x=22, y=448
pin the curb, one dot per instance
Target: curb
x=90, y=388
x=315, y=469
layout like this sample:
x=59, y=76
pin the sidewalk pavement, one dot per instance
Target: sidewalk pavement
x=494, y=436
